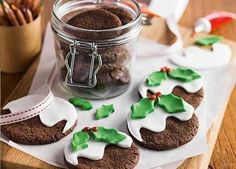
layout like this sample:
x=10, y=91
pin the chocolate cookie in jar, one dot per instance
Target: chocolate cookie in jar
x=95, y=42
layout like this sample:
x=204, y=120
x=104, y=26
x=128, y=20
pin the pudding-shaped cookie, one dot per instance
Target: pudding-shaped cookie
x=37, y=122
x=101, y=148
x=162, y=120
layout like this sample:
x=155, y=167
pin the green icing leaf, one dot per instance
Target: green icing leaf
x=110, y=136
x=208, y=40
x=142, y=108
x=104, y=111
x=171, y=103
x=182, y=74
x=156, y=78
x=83, y=104
x=80, y=141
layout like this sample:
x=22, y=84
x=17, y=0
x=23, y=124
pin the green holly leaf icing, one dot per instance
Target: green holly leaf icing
x=156, y=78
x=110, y=136
x=171, y=103
x=183, y=74
x=104, y=111
x=208, y=40
x=83, y=104
x=141, y=109
x=80, y=141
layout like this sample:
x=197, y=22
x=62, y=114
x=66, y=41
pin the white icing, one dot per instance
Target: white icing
x=169, y=84
x=58, y=111
x=198, y=58
x=94, y=151
x=156, y=121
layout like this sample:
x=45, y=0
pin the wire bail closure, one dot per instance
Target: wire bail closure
x=70, y=60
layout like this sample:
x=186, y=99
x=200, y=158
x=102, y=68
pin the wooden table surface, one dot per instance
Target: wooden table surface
x=224, y=155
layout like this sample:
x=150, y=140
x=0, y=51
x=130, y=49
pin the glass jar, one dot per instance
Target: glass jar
x=95, y=64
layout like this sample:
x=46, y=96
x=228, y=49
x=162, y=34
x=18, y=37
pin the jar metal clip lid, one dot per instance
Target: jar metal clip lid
x=70, y=60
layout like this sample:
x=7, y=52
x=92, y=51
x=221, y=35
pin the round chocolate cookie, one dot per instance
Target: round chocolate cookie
x=124, y=15
x=115, y=77
x=96, y=19
x=108, y=75
x=175, y=134
x=114, y=157
x=33, y=132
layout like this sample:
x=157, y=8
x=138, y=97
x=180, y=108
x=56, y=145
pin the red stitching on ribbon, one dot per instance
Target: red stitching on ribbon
x=27, y=117
x=19, y=113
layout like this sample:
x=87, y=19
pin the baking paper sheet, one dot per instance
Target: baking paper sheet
x=148, y=64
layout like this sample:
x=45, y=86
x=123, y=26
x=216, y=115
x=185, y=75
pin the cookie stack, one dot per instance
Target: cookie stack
x=114, y=74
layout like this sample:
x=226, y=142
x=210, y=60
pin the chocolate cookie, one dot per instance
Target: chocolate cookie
x=123, y=15
x=95, y=19
x=33, y=132
x=108, y=75
x=115, y=77
x=114, y=157
x=175, y=134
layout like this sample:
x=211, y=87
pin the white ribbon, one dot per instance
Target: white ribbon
x=28, y=113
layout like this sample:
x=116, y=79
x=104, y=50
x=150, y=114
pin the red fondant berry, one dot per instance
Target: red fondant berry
x=152, y=97
x=86, y=129
x=163, y=69
x=94, y=129
x=158, y=94
x=168, y=70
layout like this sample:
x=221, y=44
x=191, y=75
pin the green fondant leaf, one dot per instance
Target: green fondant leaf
x=171, y=103
x=183, y=74
x=142, y=108
x=110, y=136
x=83, y=104
x=104, y=111
x=156, y=78
x=80, y=141
x=208, y=40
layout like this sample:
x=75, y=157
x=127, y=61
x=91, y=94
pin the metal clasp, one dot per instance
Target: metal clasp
x=70, y=60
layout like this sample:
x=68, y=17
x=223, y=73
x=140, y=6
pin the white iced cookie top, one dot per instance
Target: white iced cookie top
x=195, y=57
x=94, y=151
x=167, y=86
x=156, y=121
x=59, y=110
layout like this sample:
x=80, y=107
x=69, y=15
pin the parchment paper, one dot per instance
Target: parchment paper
x=53, y=153
x=220, y=79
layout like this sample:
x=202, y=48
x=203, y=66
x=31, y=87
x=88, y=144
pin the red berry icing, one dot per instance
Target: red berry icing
x=165, y=69
x=86, y=129
x=168, y=70
x=158, y=94
x=152, y=97
x=94, y=129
